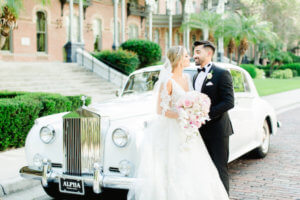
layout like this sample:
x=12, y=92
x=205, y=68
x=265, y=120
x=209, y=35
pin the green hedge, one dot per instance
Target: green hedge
x=259, y=73
x=18, y=110
x=250, y=69
x=121, y=60
x=147, y=51
x=295, y=67
x=282, y=74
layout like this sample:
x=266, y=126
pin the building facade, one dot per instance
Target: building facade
x=43, y=31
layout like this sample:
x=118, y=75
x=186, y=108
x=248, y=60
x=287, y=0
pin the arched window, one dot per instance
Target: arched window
x=41, y=31
x=97, y=30
x=178, y=7
x=156, y=7
x=133, y=31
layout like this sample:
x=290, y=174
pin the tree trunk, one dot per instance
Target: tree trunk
x=257, y=56
x=240, y=59
x=2, y=41
x=230, y=56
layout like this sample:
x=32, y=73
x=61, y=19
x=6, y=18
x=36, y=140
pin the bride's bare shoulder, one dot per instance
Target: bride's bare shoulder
x=168, y=86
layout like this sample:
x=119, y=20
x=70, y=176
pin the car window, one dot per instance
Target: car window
x=141, y=82
x=238, y=81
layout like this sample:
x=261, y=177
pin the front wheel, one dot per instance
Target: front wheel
x=107, y=194
x=263, y=149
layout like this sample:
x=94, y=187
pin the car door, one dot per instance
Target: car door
x=242, y=116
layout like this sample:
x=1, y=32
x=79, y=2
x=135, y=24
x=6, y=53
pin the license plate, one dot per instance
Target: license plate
x=72, y=186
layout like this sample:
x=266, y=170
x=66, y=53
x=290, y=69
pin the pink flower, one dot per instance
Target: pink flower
x=187, y=103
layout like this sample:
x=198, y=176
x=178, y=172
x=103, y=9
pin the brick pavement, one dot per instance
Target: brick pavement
x=275, y=177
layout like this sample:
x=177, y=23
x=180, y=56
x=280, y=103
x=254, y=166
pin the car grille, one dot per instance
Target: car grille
x=81, y=138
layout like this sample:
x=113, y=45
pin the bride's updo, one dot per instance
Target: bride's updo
x=175, y=55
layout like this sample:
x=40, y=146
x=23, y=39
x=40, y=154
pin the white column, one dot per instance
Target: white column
x=206, y=31
x=220, y=10
x=116, y=32
x=186, y=17
x=150, y=22
x=123, y=20
x=70, y=21
x=169, y=12
x=81, y=21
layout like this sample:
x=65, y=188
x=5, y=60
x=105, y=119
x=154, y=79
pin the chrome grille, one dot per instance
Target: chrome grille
x=81, y=138
x=72, y=146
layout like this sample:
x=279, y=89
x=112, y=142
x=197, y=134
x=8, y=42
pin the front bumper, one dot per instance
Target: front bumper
x=98, y=180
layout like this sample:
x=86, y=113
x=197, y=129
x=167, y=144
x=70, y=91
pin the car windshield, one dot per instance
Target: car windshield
x=141, y=82
x=145, y=81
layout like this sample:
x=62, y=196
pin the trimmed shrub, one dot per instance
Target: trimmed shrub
x=292, y=66
x=282, y=74
x=121, y=60
x=147, y=51
x=295, y=73
x=18, y=110
x=250, y=68
x=259, y=73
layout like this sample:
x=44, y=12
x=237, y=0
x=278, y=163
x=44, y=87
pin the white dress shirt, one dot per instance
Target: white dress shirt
x=201, y=77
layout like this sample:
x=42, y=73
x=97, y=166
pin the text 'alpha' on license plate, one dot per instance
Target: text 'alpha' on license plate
x=71, y=186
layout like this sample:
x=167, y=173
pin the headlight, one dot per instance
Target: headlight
x=47, y=134
x=120, y=137
x=125, y=167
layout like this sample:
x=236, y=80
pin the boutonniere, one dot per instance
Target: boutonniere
x=210, y=75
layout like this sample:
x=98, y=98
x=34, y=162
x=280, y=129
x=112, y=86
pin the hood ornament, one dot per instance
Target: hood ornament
x=83, y=98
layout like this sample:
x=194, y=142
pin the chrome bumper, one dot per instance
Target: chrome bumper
x=97, y=180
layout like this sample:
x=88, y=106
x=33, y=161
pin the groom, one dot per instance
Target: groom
x=217, y=84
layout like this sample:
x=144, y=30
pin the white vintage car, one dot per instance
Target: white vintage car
x=93, y=151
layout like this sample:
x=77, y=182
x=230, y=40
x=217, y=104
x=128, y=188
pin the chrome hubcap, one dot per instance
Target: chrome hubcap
x=266, y=140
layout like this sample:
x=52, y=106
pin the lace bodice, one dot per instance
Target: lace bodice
x=168, y=102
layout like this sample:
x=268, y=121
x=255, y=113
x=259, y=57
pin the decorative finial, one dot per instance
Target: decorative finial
x=83, y=98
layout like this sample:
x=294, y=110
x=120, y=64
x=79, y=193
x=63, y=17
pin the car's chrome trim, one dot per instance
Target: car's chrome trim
x=98, y=180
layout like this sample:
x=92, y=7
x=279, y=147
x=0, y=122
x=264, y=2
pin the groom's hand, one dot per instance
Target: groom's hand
x=225, y=93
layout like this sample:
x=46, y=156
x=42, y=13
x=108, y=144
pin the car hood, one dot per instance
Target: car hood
x=130, y=105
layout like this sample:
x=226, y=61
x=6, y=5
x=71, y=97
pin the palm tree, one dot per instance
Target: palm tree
x=206, y=20
x=244, y=30
x=9, y=13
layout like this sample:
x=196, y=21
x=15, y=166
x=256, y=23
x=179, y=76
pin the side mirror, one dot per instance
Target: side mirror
x=118, y=93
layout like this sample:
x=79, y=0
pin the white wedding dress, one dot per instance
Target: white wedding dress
x=167, y=171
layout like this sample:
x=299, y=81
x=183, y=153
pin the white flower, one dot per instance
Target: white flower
x=209, y=75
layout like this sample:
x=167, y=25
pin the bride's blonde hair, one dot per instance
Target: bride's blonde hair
x=175, y=55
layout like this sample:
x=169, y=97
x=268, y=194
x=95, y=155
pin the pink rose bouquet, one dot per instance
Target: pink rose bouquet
x=193, y=111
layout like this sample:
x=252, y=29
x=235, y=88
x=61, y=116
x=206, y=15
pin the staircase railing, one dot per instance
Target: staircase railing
x=89, y=62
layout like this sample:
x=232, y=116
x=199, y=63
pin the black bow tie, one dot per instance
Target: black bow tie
x=201, y=69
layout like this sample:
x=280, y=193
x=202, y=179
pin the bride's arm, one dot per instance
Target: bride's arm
x=164, y=100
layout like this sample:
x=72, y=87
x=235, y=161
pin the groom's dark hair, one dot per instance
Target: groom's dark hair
x=206, y=44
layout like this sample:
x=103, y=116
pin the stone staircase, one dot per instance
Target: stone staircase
x=55, y=77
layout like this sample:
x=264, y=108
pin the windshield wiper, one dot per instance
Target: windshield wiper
x=128, y=91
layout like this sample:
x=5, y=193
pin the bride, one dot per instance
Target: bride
x=166, y=171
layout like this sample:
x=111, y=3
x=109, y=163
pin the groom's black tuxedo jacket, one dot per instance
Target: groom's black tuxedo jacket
x=220, y=92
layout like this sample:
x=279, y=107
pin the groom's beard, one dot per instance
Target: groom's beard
x=197, y=62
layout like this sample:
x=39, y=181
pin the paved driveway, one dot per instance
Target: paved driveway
x=277, y=176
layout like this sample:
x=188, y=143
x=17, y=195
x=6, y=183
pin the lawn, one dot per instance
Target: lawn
x=271, y=86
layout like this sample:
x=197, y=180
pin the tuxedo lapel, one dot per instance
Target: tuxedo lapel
x=205, y=80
